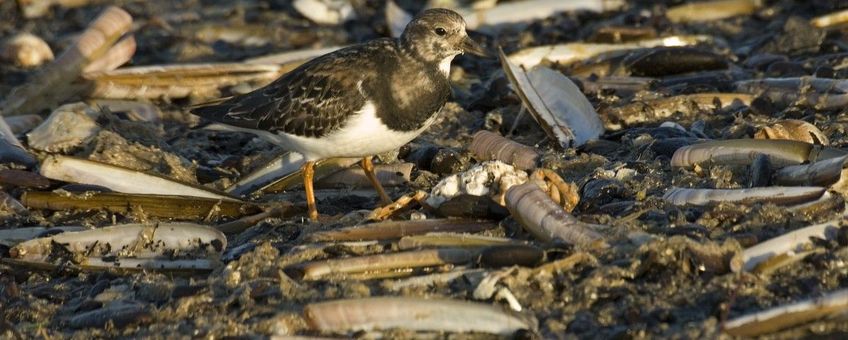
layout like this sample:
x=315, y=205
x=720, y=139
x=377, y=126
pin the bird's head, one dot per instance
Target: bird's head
x=439, y=34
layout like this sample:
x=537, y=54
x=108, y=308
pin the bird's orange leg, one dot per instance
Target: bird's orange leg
x=369, y=171
x=308, y=174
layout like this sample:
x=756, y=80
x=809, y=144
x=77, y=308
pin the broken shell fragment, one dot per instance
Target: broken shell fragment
x=343, y=268
x=116, y=178
x=788, y=315
x=25, y=50
x=790, y=243
x=711, y=10
x=742, y=151
x=396, y=229
x=487, y=178
x=557, y=105
x=546, y=220
x=442, y=315
x=776, y=195
x=67, y=127
x=491, y=146
x=793, y=129
x=177, y=207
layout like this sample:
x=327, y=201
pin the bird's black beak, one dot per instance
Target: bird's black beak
x=471, y=46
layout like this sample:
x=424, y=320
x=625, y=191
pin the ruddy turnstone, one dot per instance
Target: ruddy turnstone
x=358, y=101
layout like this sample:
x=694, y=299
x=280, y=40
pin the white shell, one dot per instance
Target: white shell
x=26, y=50
x=326, y=12
x=486, y=178
x=68, y=126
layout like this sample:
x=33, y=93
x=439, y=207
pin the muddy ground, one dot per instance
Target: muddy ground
x=651, y=282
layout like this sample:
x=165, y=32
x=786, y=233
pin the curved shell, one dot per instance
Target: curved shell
x=793, y=129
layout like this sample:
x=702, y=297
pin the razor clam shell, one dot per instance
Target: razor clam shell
x=789, y=243
x=828, y=173
x=528, y=10
x=776, y=195
x=556, y=104
x=52, y=83
x=788, y=315
x=487, y=145
x=711, y=10
x=176, y=81
x=396, y=229
x=656, y=110
x=117, y=55
x=829, y=20
x=23, y=179
x=323, y=168
x=67, y=127
x=446, y=239
x=807, y=91
x=281, y=166
x=23, y=123
x=564, y=54
x=345, y=267
x=11, y=237
x=129, y=240
x=325, y=12
x=742, y=152
x=443, y=315
x=546, y=220
x=177, y=207
x=82, y=171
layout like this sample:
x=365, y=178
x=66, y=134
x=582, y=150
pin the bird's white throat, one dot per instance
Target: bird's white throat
x=444, y=66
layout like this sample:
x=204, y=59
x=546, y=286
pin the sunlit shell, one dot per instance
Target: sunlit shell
x=25, y=50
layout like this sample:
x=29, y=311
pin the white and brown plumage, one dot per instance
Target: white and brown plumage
x=358, y=101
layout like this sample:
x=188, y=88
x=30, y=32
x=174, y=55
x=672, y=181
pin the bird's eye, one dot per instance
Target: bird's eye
x=441, y=31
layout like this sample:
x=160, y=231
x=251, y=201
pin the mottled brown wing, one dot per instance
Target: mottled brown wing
x=310, y=101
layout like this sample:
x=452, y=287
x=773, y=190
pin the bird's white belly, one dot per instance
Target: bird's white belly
x=362, y=135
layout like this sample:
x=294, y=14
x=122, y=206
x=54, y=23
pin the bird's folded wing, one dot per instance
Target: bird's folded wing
x=310, y=101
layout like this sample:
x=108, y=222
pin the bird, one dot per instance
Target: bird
x=357, y=101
